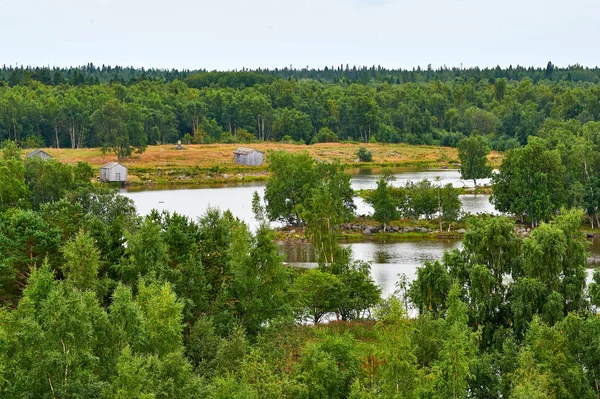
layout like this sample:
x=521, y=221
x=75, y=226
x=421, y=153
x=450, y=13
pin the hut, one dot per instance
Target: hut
x=113, y=171
x=40, y=154
x=247, y=156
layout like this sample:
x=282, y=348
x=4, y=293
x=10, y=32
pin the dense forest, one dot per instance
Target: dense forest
x=98, y=106
x=99, y=302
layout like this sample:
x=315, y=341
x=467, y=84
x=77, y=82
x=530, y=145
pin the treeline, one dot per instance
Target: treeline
x=92, y=74
x=260, y=105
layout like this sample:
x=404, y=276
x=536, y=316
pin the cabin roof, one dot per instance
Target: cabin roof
x=37, y=152
x=244, y=151
x=110, y=165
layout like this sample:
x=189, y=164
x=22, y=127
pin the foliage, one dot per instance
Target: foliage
x=364, y=155
x=293, y=182
x=472, y=152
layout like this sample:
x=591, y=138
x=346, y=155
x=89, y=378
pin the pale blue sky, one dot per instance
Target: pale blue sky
x=231, y=34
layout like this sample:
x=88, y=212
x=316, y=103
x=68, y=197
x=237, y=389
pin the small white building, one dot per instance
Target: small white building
x=39, y=154
x=113, y=171
x=248, y=156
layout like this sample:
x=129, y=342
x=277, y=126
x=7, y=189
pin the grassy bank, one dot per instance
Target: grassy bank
x=213, y=163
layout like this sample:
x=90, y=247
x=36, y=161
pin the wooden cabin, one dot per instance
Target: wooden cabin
x=113, y=172
x=40, y=154
x=248, y=156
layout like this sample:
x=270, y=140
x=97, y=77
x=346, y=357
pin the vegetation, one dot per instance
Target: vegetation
x=120, y=108
x=364, y=155
x=102, y=303
x=472, y=152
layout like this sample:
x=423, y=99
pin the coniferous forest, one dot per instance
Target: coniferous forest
x=100, y=302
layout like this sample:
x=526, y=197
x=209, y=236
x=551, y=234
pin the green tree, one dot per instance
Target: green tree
x=119, y=128
x=399, y=374
x=472, y=152
x=81, y=262
x=317, y=294
x=385, y=205
x=293, y=180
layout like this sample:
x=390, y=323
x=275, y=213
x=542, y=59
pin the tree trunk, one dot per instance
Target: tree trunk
x=56, y=135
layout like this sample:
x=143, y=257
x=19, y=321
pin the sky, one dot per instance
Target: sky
x=233, y=34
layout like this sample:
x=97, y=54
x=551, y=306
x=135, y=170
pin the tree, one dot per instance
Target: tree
x=317, y=293
x=399, y=368
x=472, y=152
x=82, y=262
x=457, y=350
x=328, y=368
x=119, y=129
x=385, y=205
x=294, y=177
x=530, y=183
x=449, y=205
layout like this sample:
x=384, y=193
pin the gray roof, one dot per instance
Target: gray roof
x=37, y=152
x=110, y=165
x=244, y=151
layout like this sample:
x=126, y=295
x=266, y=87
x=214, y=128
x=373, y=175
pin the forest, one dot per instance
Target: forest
x=100, y=302
x=129, y=108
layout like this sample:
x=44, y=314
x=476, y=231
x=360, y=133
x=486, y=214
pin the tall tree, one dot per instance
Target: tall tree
x=119, y=129
x=472, y=152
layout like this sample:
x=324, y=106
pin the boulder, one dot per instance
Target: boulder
x=367, y=231
x=461, y=231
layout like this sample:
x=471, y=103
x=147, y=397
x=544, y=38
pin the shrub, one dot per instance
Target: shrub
x=364, y=155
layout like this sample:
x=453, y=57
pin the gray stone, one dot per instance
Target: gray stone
x=367, y=231
x=461, y=231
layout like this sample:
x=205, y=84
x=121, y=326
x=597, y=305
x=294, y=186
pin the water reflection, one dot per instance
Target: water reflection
x=364, y=180
x=388, y=258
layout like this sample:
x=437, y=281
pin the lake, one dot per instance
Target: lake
x=388, y=258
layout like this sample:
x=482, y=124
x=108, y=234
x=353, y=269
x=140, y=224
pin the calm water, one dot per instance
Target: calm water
x=388, y=258
x=367, y=179
x=193, y=202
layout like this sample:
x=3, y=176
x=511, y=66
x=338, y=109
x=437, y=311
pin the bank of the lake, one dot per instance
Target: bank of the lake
x=205, y=164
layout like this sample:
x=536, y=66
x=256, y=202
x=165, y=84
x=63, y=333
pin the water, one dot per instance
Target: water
x=388, y=258
x=367, y=179
x=193, y=202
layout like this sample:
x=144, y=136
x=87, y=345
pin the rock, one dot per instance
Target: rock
x=461, y=231
x=408, y=229
x=367, y=231
x=225, y=176
x=590, y=235
x=292, y=231
x=374, y=230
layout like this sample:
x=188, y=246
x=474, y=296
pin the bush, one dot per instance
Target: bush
x=325, y=135
x=187, y=139
x=35, y=141
x=227, y=138
x=244, y=136
x=364, y=155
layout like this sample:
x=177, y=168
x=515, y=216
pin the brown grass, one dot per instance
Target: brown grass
x=208, y=155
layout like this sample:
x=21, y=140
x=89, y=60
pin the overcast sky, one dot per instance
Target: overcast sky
x=231, y=34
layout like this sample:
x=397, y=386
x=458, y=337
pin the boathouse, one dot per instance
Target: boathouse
x=40, y=154
x=248, y=156
x=113, y=172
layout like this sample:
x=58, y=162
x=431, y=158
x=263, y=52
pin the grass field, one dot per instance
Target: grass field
x=195, y=161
